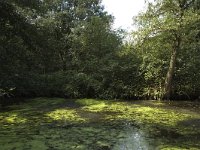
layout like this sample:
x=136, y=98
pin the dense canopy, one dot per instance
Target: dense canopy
x=67, y=48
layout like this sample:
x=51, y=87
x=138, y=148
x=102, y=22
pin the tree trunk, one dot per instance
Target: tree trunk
x=169, y=77
x=64, y=65
x=63, y=61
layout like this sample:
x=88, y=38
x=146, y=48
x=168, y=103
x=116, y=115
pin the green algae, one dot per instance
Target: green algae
x=148, y=115
x=54, y=123
x=65, y=115
x=12, y=118
x=88, y=102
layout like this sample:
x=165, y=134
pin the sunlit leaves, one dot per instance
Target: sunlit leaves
x=164, y=27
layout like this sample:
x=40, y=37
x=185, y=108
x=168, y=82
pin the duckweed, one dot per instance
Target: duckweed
x=65, y=115
x=55, y=123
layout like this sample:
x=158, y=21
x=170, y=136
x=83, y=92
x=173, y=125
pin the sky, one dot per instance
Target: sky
x=123, y=11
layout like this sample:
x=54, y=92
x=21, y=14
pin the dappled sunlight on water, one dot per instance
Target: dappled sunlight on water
x=65, y=115
x=88, y=124
x=135, y=139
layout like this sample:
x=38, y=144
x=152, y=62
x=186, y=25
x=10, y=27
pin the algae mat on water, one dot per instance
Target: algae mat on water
x=88, y=124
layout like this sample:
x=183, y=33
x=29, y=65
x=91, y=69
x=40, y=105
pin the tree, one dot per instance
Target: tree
x=54, y=45
x=163, y=26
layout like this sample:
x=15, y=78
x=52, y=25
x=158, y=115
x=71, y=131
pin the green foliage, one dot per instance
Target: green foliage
x=52, y=53
x=164, y=31
x=68, y=48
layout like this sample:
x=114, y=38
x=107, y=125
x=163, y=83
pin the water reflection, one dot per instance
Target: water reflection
x=134, y=139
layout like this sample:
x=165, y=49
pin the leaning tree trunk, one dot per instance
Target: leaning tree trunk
x=169, y=77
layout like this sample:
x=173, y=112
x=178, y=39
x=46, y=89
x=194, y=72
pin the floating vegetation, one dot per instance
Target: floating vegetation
x=65, y=115
x=88, y=124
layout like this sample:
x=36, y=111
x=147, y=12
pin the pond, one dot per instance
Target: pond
x=89, y=124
